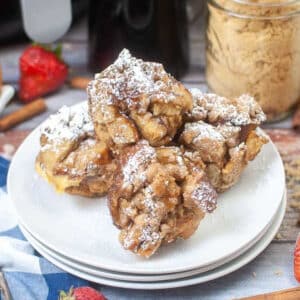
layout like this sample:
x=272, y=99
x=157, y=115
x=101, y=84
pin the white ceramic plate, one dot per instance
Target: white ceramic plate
x=125, y=276
x=81, y=228
x=196, y=279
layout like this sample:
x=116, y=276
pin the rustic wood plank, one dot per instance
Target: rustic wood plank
x=270, y=271
x=286, y=294
x=65, y=96
x=288, y=144
x=10, y=141
x=75, y=54
x=55, y=101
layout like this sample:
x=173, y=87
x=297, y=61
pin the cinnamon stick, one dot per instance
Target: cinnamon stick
x=80, y=82
x=288, y=294
x=28, y=111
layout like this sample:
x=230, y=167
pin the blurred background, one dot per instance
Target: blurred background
x=100, y=29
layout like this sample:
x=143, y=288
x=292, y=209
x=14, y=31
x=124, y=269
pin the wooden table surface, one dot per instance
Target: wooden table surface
x=273, y=269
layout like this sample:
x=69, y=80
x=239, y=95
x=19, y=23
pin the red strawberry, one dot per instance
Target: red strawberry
x=42, y=72
x=297, y=260
x=81, y=293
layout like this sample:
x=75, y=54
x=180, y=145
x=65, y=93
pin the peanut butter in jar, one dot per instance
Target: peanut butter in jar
x=254, y=47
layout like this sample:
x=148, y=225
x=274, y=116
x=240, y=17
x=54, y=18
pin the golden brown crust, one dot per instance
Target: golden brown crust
x=214, y=109
x=222, y=132
x=133, y=99
x=157, y=197
x=71, y=158
x=86, y=170
x=223, y=150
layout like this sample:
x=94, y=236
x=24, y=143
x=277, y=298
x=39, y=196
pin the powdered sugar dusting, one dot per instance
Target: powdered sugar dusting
x=148, y=237
x=204, y=130
x=149, y=202
x=69, y=123
x=241, y=111
x=129, y=240
x=134, y=169
x=127, y=79
x=205, y=196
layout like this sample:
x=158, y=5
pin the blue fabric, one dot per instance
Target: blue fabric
x=28, y=275
x=13, y=232
x=4, y=164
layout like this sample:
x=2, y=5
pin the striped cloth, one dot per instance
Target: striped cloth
x=28, y=275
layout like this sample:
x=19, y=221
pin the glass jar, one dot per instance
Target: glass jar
x=254, y=47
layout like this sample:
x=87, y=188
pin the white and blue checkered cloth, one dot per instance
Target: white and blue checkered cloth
x=28, y=275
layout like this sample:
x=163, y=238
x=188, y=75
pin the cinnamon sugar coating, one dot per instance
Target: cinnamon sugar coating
x=133, y=99
x=71, y=158
x=214, y=109
x=157, y=196
x=223, y=134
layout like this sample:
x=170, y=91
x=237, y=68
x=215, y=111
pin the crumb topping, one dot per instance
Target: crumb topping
x=127, y=79
x=68, y=124
x=165, y=202
x=241, y=111
x=204, y=130
x=205, y=196
x=135, y=168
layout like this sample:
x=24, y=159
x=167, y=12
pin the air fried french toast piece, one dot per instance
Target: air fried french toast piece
x=223, y=133
x=133, y=99
x=157, y=196
x=71, y=158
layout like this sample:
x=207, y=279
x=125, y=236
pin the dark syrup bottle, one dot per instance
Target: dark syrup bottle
x=155, y=30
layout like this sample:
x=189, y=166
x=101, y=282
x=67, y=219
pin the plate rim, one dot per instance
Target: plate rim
x=145, y=277
x=134, y=270
x=221, y=271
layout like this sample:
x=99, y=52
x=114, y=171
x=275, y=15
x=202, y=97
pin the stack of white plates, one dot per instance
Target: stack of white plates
x=77, y=233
